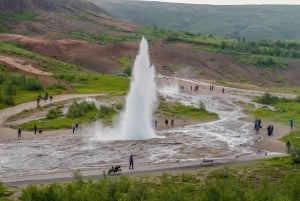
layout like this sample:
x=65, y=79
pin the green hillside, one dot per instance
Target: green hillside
x=253, y=22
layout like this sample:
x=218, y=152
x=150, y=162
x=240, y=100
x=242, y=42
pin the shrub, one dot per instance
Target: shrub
x=267, y=99
x=79, y=109
x=105, y=111
x=54, y=113
x=32, y=84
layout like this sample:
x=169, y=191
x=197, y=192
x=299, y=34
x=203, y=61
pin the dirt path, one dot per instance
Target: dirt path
x=22, y=65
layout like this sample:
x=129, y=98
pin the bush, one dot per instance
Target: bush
x=54, y=113
x=105, y=111
x=78, y=109
x=32, y=84
x=267, y=99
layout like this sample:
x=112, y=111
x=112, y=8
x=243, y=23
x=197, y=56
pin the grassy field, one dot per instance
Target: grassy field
x=80, y=80
x=284, y=110
x=269, y=179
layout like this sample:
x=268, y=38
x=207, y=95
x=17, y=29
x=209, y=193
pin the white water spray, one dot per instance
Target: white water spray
x=135, y=123
x=140, y=102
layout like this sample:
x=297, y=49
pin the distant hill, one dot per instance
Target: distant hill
x=81, y=33
x=253, y=22
x=56, y=18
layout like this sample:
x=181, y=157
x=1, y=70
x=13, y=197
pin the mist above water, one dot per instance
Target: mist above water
x=135, y=122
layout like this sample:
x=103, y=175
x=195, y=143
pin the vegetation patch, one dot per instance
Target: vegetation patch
x=197, y=112
x=251, y=181
x=78, y=112
x=125, y=65
x=101, y=38
x=13, y=83
x=82, y=81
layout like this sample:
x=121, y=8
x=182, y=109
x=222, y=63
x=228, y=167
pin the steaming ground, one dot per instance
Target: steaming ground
x=228, y=137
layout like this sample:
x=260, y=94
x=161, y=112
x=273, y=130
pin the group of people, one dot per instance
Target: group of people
x=167, y=123
x=75, y=127
x=155, y=123
x=257, y=124
x=46, y=97
x=270, y=129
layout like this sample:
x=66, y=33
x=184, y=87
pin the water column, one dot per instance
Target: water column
x=141, y=99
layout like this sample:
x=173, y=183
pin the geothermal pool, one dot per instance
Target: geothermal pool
x=227, y=137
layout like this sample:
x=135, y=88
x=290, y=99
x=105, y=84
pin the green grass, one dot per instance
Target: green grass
x=293, y=137
x=81, y=113
x=82, y=81
x=7, y=18
x=271, y=179
x=170, y=109
x=101, y=38
x=285, y=109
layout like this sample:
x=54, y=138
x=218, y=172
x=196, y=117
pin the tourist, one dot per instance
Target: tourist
x=223, y=90
x=35, y=128
x=19, y=133
x=272, y=128
x=269, y=130
x=131, y=161
x=51, y=97
x=73, y=128
x=38, y=101
x=292, y=123
x=76, y=126
x=167, y=123
x=172, y=123
x=155, y=124
x=288, y=146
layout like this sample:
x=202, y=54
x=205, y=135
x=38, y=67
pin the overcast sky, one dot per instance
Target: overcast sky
x=233, y=2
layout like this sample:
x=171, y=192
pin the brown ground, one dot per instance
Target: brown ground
x=174, y=59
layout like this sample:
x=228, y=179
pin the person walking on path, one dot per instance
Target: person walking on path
x=73, y=128
x=167, y=123
x=288, y=146
x=131, y=161
x=35, y=128
x=19, y=133
x=172, y=123
x=292, y=123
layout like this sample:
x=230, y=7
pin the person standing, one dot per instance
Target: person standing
x=292, y=123
x=19, y=133
x=131, y=161
x=167, y=123
x=38, y=102
x=35, y=128
x=73, y=128
x=172, y=123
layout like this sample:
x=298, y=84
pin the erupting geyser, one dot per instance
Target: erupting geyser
x=140, y=102
x=135, y=122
